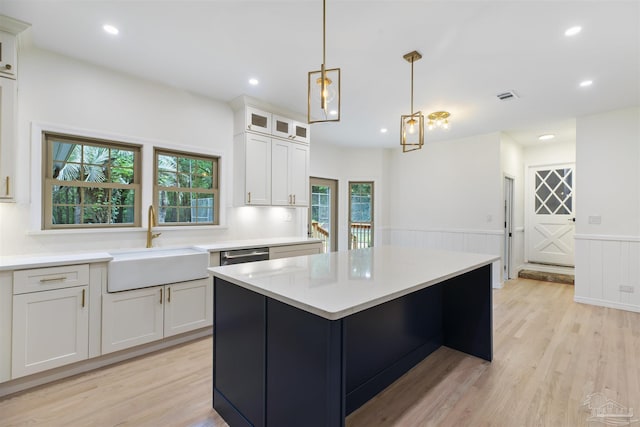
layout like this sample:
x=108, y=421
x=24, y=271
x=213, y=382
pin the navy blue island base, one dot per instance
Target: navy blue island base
x=277, y=365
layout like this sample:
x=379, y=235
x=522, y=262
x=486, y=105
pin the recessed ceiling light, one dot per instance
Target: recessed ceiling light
x=333, y=112
x=253, y=82
x=586, y=83
x=110, y=29
x=546, y=137
x=573, y=31
x=383, y=130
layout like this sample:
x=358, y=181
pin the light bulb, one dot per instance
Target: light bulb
x=430, y=125
x=412, y=126
x=445, y=125
x=329, y=91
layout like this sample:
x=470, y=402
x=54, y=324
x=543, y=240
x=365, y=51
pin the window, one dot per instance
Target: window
x=186, y=188
x=90, y=183
x=360, y=215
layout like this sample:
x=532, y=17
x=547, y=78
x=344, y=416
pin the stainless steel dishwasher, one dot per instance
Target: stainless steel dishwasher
x=239, y=256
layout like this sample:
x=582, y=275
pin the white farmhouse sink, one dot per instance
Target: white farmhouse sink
x=142, y=268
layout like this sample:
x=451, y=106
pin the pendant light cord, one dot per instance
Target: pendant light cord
x=324, y=33
x=412, y=86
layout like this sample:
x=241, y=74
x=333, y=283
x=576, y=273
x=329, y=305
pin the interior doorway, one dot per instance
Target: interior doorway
x=508, y=227
x=323, y=215
x=551, y=214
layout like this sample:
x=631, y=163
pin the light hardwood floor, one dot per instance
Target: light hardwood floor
x=549, y=354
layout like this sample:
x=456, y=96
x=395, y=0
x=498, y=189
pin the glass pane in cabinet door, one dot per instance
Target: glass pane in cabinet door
x=301, y=131
x=282, y=126
x=258, y=120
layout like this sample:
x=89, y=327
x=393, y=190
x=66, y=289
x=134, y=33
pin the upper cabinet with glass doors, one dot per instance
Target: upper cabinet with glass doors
x=257, y=120
x=9, y=28
x=253, y=119
x=289, y=129
x=8, y=55
x=271, y=157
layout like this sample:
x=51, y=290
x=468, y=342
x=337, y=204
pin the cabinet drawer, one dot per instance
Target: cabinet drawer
x=44, y=279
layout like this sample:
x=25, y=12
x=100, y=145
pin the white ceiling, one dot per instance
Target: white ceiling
x=472, y=50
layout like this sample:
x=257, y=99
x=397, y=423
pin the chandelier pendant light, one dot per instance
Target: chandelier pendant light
x=438, y=119
x=412, y=125
x=323, y=96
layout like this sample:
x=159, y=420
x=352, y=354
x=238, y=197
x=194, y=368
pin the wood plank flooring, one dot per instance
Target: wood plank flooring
x=549, y=354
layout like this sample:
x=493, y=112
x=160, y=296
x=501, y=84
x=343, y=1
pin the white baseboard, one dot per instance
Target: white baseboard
x=608, y=304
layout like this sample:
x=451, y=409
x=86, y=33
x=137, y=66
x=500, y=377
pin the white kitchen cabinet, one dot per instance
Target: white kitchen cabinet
x=9, y=28
x=286, y=128
x=141, y=316
x=50, y=329
x=7, y=138
x=289, y=173
x=252, y=170
x=131, y=318
x=257, y=120
x=8, y=55
x=276, y=252
x=188, y=306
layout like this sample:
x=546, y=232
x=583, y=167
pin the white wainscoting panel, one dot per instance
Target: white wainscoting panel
x=478, y=241
x=603, y=264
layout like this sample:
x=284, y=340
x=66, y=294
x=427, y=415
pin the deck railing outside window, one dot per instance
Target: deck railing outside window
x=319, y=232
x=360, y=235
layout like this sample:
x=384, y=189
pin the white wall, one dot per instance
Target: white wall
x=448, y=196
x=56, y=91
x=354, y=164
x=448, y=185
x=608, y=254
x=550, y=153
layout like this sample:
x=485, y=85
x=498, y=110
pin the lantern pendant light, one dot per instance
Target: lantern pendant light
x=412, y=125
x=323, y=96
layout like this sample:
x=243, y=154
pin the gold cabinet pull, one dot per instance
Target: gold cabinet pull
x=84, y=292
x=54, y=279
x=7, y=66
x=6, y=191
x=289, y=198
x=160, y=295
x=249, y=201
x=168, y=294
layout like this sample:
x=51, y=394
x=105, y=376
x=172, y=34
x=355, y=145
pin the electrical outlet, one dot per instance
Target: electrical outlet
x=628, y=289
x=595, y=219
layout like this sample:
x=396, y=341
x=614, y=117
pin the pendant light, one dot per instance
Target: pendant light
x=323, y=97
x=412, y=125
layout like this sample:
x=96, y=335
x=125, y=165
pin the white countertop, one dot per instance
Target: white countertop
x=19, y=262
x=338, y=284
x=254, y=243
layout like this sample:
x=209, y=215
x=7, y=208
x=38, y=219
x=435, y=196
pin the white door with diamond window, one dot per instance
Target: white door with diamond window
x=551, y=217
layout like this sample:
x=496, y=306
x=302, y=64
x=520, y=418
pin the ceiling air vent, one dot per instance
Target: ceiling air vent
x=505, y=96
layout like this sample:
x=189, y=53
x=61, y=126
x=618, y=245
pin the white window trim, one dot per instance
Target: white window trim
x=146, y=182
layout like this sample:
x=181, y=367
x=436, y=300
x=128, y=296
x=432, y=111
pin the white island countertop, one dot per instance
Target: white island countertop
x=338, y=284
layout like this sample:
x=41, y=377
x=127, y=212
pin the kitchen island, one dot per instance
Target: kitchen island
x=307, y=340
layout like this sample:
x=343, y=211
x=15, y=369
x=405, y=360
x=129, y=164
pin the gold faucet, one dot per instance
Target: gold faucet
x=151, y=222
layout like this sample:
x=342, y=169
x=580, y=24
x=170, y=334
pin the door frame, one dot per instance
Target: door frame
x=334, y=185
x=508, y=195
x=529, y=206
